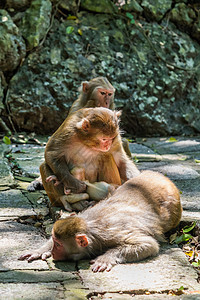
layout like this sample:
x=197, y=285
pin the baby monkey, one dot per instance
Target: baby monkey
x=123, y=228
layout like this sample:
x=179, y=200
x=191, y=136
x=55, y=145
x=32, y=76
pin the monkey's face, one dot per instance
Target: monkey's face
x=103, y=143
x=58, y=251
x=103, y=97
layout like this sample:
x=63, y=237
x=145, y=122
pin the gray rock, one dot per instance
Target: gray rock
x=36, y=22
x=12, y=45
x=156, y=9
x=43, y=291
x=14, y=204
x=149, y=275
x=17, y=239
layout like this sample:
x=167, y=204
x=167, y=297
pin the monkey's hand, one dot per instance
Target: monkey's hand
x=53, y=178
x=44, y=252
x=102, y=263
x=35, y=255
x=77, y=187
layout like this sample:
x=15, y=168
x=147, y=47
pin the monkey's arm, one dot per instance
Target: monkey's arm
x=43, y=252
x=60, y=168
x=126, y=166
x=145, y=246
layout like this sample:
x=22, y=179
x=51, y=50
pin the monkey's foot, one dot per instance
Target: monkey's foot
x=73, y=198
x=35, y=185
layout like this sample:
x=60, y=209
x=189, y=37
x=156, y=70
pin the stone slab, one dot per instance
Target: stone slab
x=14, y=203
x=6, y=177
x=29, y=157
x=190, y=216
x=16, y=239
x=39, y=291
x=35, y=276
x=140, y=149
x=165, y=146
x=169, y=270
x=190, y=194
x=174, y=171
x=144, y=296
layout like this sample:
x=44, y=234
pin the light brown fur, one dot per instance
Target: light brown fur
x=126, y=227
x=75, y=145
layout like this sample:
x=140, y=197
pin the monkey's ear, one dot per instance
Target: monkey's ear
x=82, y=240
x=85, y=87
x=118, y=113
x=83, y=124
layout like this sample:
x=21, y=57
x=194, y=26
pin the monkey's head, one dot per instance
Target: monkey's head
x=69, y=239
x=100, y=90
x=98, y=128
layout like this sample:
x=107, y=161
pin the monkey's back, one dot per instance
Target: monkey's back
x=150, y=202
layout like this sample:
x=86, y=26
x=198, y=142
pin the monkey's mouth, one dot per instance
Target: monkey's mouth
x=102, y=149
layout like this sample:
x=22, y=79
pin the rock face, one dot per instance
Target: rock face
x=148, y=50
x=12, y=45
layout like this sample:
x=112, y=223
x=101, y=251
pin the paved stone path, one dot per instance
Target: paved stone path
x=26, y=221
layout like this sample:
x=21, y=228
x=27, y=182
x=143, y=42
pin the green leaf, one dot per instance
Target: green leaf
x=196, y=264
x=69, y=29
x=6, y=140
x=197, y=161
x=136, y=159
x=132, y=21
x=130, y=16
x=172, y=140
x=181, y=288
x=183, y=238
x=189, y=228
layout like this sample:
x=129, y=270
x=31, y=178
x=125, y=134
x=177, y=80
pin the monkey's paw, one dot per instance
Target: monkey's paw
x=35, y=255
x=35, y=185
x=101, y=264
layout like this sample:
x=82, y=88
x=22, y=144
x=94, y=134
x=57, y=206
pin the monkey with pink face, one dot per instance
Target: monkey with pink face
x=126, y=227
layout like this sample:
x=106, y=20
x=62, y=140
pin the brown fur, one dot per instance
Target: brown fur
x=86, y=96
x=124, y=228
x=72, y=146
x=127, y=226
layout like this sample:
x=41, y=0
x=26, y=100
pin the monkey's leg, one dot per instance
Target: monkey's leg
x=125, y=144
x=146, y=246
x=108, y=170
x=53, y=191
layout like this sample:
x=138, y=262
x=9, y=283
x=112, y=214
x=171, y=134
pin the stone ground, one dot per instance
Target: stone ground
x=26, y=220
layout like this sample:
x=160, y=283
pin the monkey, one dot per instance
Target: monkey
x=98, y=92
x=95, y=93
x=88, y=138
x=126, y=227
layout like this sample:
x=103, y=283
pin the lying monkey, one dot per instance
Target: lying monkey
x=123, y=228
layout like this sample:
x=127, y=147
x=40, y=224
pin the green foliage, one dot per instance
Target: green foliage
x=172, y=140
x=189, y=228
x=130, y=16
x=69, y=29
x=183, y=238
x=196, y=264
x=6, y=140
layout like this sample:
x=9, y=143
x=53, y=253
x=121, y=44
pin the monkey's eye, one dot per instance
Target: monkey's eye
x=109, y=94
x=102, y=93
x=57, y=244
